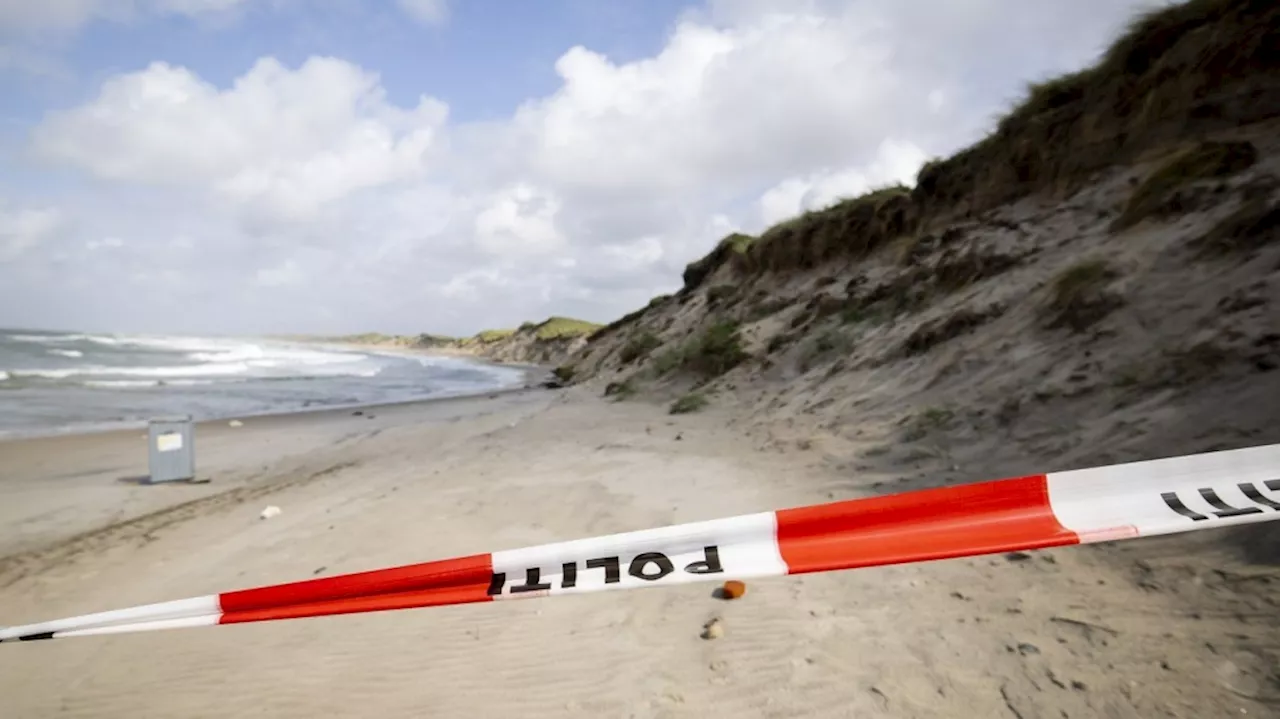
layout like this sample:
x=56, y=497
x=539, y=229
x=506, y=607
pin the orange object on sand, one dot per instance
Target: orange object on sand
x=733, y=589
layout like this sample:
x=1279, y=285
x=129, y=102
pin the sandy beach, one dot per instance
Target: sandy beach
x=1178, y=627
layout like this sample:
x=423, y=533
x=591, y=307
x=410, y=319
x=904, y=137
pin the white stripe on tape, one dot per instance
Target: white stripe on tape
x=1168, y=495
x=742, y=547
x=183, y=623
x=176, y=609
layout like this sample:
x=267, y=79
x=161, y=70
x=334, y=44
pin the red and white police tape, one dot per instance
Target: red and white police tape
x=1120, y=501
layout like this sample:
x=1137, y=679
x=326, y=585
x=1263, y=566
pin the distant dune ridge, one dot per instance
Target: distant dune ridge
x=549, y=342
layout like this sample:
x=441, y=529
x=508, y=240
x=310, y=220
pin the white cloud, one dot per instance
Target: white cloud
x=287, y=273
x=895, y=163
x=24, y=229
x=311, y=186
x=520, y=220
x=106, y=242
x=198, y=7
x=742, y=102
x=280, y=142
x=427, y=12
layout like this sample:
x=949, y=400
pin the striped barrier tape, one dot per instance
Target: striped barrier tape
x=1108, y=503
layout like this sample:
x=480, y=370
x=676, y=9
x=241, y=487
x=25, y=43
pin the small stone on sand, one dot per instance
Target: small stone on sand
x=733, y=589
x=713, y=629
x=235, y=423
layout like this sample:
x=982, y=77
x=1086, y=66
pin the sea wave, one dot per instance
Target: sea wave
x=63, y=339
x=274, y=356
x=138, y=383
x=210, y=369
x=100, y=370
x=128, y=378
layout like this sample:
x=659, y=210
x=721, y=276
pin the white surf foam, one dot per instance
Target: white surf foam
x=66, y=353
x=99, y=370
x=64, y=339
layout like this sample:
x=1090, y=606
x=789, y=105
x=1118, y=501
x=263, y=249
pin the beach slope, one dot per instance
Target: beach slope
x=1099, y=631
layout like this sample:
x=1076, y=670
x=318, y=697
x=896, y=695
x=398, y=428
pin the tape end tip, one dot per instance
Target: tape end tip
x=35, y=637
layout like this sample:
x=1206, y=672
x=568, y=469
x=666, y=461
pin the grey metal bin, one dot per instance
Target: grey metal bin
x=171, y=454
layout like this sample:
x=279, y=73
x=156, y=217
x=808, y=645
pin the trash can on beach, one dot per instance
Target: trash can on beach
x=171, y=455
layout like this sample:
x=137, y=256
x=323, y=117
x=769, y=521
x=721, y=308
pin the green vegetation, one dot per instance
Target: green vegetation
x=1078, y=298
x=1191, y=364
x=430, y=340
x=849, y=228
x=373, y=338
x=735, y=245
x=934, y=332
x=716, y=351
x=739, y=242
x=565, y=373
x=691, y=402
x=779, y=341
x=639, y=347
x=564, y=327
x=855, y=313
x=623, y=321
x=930, y=420
x=621, y=391
x=720, y=293
x=1176, y=367
x=1255, y=224
x=1205, y=161
x=833, y=339
x=669, y=361
x=491, y=336
x=767, y=308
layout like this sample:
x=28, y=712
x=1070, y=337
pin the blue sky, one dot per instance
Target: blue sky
x=491, y=54
x=337, y=165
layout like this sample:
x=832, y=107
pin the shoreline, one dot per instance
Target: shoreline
x=531, y=377
x=208, y=422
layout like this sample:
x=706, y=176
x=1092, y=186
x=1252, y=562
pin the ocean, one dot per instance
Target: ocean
x=57, y=382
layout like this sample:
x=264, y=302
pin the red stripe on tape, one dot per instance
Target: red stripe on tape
x=919, y=526
x=437, y=597
x=462, y=575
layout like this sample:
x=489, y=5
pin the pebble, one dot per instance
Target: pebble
x=713, y=629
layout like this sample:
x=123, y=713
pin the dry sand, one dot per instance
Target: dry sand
x=1063, y=633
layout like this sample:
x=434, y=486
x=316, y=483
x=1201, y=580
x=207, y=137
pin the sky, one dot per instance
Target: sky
x=445, y=166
